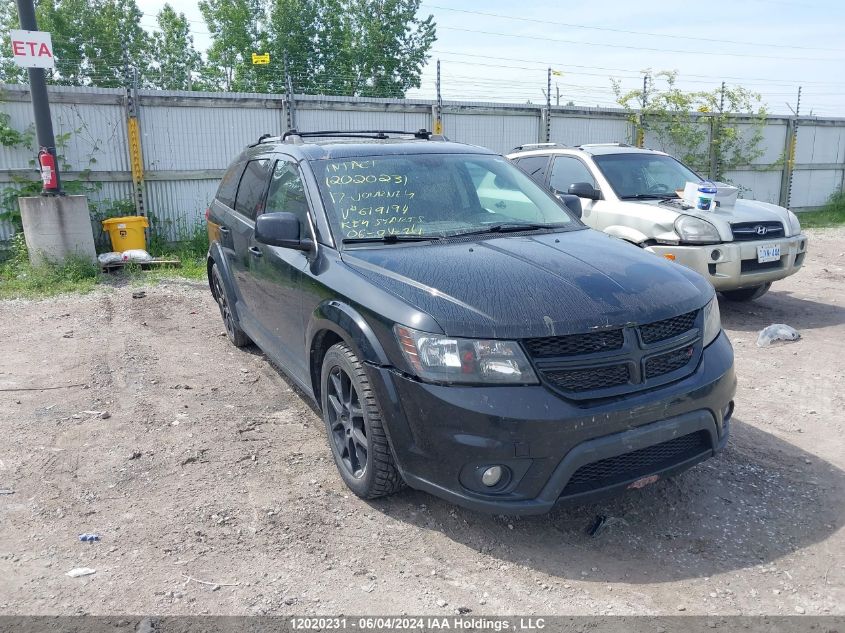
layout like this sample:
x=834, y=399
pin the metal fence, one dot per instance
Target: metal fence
x=188, y=139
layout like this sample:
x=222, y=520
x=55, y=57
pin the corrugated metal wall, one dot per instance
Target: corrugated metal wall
x=188, y=138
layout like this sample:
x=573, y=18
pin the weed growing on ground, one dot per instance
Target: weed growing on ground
x=19, y=278
x=832, y=214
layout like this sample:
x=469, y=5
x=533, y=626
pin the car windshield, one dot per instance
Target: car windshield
x=644, y=175
x=433, y=195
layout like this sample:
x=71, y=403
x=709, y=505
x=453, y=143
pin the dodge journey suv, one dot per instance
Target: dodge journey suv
x=461, y=331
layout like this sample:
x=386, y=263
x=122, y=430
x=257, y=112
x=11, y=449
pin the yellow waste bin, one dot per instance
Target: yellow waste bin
x=126, y=233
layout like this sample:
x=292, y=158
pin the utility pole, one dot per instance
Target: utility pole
x=557, y=95
x=289, y=105
x=438, y=106
x=549, y=105
x=792, y=148
x=641, y=130
x=40, y=101
x=716, y=138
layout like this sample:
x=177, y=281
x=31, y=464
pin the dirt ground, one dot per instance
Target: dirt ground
x=212, y=488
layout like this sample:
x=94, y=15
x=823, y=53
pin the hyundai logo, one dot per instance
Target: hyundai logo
x=760, y=229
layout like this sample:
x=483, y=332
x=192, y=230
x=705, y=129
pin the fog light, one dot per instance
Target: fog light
x=716, y=254
x=492, y=476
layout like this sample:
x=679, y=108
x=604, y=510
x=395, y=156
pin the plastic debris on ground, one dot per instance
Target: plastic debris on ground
x=81, y=571
x=109, y=258
x=137, y=255
x=777, y=332
x=89, y=538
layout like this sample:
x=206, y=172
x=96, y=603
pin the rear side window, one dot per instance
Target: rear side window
x=229, y=185
x=567, y=171
x=534, y=166
x=287, y=192
x=251, y=190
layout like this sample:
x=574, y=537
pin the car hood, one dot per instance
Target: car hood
x=547, y=284
x=723, y=216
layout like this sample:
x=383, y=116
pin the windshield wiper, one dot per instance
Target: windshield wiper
x=650, y=196
x=508, y=227
x=390, y=239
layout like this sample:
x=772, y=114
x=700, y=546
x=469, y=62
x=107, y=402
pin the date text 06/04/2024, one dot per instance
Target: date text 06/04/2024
x=409, y=623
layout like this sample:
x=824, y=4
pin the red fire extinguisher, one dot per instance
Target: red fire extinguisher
x=49, y=176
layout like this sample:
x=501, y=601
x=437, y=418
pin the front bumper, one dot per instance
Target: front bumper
x=736, y=265
x=443, y=437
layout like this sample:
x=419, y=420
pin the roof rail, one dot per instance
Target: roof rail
x=264, y=138
x=293, y=136
x=613, y=144
x=530, y=146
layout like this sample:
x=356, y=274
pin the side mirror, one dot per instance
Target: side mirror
x=281, y=229
x=573, y=203
x=584, y=190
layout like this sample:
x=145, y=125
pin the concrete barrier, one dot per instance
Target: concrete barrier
x=56, y=227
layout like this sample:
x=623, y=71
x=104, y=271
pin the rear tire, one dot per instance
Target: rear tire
x=354, y=426
x=747, y=294
x=224, y=302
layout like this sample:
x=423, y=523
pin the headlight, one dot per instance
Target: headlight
x=692, y=229
x=794, y=224
x=712, y=321
x=439, y=358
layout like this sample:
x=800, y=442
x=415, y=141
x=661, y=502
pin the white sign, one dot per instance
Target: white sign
x=32, y=49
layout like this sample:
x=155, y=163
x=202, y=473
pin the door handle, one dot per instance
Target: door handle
x=255, y=251
x=224, y=230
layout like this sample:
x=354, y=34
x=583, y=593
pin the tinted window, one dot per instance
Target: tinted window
x=287, y=192
x=566, y=171
x=229, y=185
x=252, y=187
x=534, y=166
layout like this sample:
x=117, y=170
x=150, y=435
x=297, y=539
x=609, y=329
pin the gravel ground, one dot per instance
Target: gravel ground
x=210, y=483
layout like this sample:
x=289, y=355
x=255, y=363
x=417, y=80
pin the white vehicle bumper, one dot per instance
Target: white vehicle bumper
x=733, y=265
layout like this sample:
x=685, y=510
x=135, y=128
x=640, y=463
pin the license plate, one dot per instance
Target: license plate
x=768, y=253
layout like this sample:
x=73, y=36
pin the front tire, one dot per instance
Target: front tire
x=354, y=426
x=747, y=294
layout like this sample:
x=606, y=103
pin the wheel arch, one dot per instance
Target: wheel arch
x=335, y=322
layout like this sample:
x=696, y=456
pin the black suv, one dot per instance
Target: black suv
x=460, y=329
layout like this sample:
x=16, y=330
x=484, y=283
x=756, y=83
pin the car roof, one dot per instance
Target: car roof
x=593, y=149
x=348, y=148
x=358, y=143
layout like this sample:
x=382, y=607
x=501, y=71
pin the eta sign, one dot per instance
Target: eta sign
x=32, y=49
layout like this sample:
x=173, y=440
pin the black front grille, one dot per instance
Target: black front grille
x=749, y=231
x=666, y=363
x=575, y=344
x=589, y=378
x=636, y=464
x=668, y=328
x=753, y=266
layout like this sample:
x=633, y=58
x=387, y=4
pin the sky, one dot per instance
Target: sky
x=496, y=50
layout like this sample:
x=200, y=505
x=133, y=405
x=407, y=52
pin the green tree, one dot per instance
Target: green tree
x=343, y=47
x=89, y=37
x=392, y=45
x=177, y=58
x=689, y=123
x=293, y=32
x=237, y=28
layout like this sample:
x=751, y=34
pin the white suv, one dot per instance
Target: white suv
x=741, y=246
